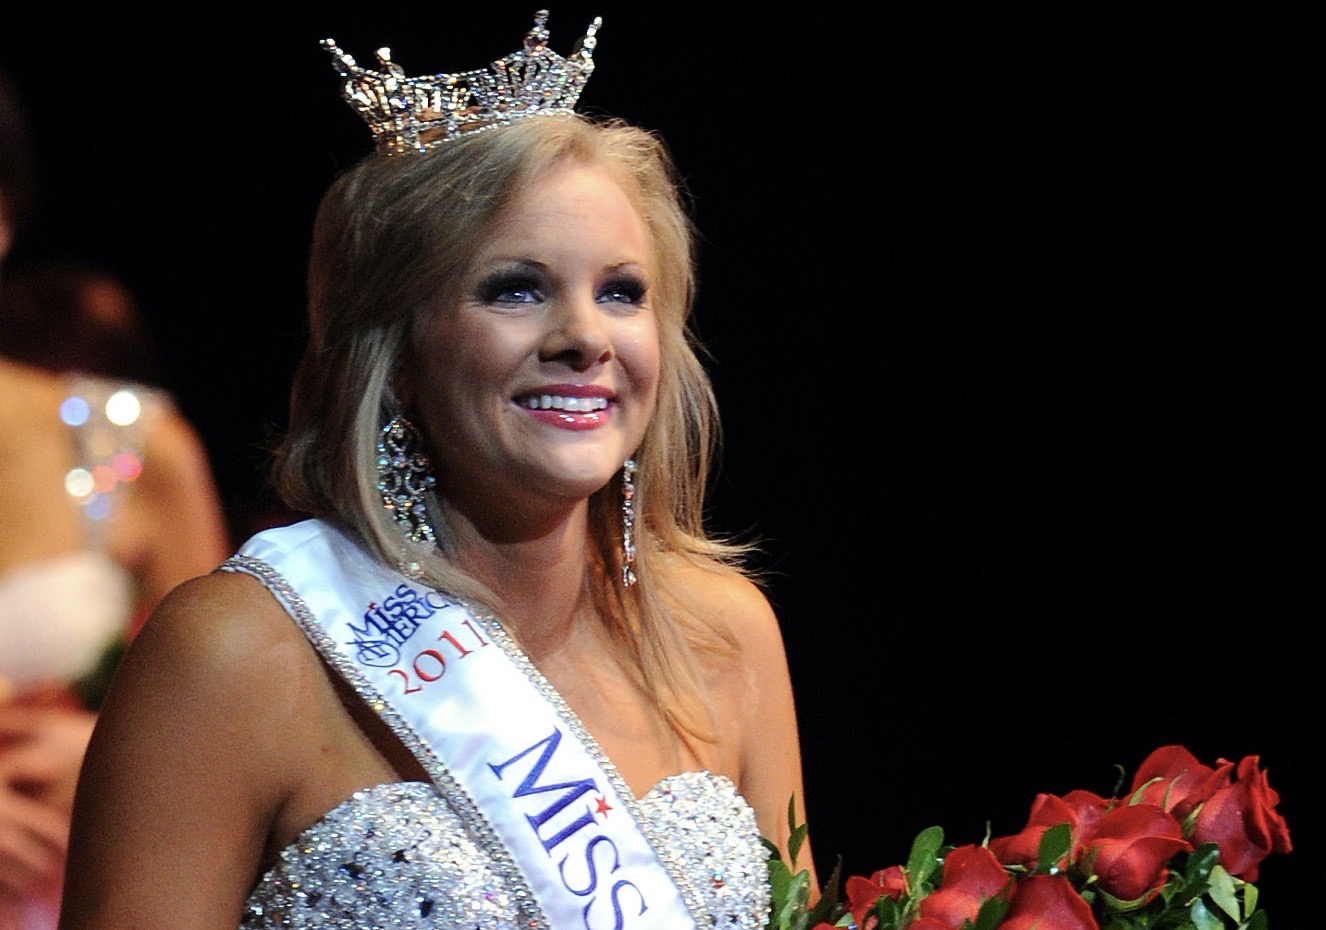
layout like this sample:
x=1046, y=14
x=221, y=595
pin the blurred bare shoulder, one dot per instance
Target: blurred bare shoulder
x=172, y=526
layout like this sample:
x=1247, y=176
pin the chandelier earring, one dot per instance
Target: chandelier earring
x=628, y=522
x=404, y=476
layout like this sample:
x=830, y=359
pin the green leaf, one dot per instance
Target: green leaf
x=827, y=909
x=888, y=912
x=1200, y=862
x=1054, y=845
x=1203, y=919
x=924, y=857
x=798, y=834
x=991, y=912
x=1224, y=894
x=789, y=895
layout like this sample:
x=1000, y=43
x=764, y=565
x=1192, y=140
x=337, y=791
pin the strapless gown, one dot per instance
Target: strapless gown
x=396, y=856
x=414, y=855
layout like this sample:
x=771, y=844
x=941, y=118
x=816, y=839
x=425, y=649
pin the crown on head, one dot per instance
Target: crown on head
x=414, y=114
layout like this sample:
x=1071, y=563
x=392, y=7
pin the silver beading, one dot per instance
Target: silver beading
x=628, y=522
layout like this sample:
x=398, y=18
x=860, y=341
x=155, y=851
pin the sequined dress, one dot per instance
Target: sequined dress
x=397, y=856
x=406, y=855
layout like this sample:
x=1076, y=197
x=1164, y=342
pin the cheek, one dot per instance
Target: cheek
x=641, y=355
x=457, y=360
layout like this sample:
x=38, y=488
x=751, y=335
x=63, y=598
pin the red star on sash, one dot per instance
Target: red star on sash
x=603, y=806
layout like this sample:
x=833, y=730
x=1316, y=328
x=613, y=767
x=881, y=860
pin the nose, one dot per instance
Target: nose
x=576, y=334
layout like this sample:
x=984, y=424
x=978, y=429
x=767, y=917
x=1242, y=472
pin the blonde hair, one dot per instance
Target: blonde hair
x=394, y=232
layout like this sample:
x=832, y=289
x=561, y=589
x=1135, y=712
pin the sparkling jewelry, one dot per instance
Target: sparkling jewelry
x=404, y=475
x=628, y=522
x=414, y=114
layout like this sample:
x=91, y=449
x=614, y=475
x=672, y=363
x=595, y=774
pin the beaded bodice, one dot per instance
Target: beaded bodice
x=397, y=856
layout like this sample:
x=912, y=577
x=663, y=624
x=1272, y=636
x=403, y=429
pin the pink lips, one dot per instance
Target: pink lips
x=572, y=421
x=569, y=406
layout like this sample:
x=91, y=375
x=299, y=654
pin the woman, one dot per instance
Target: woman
x=107, y=502
x=522, y=686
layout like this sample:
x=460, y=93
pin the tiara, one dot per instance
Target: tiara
x=414, y=114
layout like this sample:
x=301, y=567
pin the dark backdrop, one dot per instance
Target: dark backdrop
x=1010, y=326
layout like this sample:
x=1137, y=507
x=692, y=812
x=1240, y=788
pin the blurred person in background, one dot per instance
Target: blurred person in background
x=70, y=315
x=107, y=501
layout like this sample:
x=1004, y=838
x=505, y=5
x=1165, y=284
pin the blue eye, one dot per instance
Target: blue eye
x=510, y=289
x=623, y=291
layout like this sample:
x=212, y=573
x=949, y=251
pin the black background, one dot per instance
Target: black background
x=1010, y=322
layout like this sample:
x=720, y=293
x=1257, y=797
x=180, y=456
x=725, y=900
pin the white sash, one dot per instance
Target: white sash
x=482, y=721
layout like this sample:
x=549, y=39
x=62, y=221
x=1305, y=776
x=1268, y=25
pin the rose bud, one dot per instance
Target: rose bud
x=1047, y=902
x=971, y=875
x=1242, y=821
x=1127, y=851
x=1171, y=778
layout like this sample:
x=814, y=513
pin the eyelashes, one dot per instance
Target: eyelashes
x=627, y=289
x=511, y=288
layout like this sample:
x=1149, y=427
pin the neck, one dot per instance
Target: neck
x=538, y=572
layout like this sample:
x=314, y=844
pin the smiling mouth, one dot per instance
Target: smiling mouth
x=558, y=402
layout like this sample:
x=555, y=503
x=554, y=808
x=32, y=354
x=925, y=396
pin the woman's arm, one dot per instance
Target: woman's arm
x=188, y=766
x=771, y=745
x=755, y=702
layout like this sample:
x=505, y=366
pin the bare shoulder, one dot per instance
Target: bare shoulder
x=209, y=730
x=223, y=608
x=171, y=525
x=223, y=629
x=29, y=398
x=221, y=675
x=177, y=455
x=731, y=603
x=173, y=435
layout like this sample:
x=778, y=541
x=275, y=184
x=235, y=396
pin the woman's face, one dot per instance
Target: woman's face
x=540, y=381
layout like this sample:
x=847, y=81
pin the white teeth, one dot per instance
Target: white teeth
x=569, y=404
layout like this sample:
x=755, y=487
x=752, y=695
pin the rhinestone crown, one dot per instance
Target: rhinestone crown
x=414, y=114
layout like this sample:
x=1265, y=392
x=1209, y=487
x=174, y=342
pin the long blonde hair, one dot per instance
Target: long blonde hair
x=394, y=232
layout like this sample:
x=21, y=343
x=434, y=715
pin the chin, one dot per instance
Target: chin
x=584, y=482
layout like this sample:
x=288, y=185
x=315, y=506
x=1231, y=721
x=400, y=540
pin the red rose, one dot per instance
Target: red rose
x=1081, y=810
x=1047, y=902
x=862, y=893
x=1242, y=821
x=1173, y=779
x=971, y=875
x=1128, y=849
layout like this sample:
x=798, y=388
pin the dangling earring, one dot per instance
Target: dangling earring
x=404, y=474
x=628, y=522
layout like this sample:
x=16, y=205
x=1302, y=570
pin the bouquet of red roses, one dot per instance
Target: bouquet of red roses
x=1180, y=851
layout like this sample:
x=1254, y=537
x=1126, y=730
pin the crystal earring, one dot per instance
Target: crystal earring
x=628, y=522
x=404, y=474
